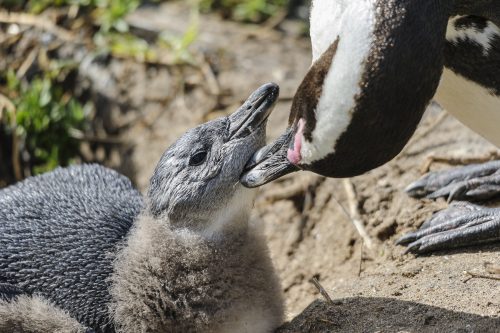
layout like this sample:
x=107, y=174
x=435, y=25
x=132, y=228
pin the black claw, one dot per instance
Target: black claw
x=466, y=225
x=406, y=239
x=413, y=247
x=464, y=180
x=458, y=192
x=451, y=197
x=417, y=189
x=462, y=224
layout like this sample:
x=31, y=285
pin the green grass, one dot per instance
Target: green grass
x=46, y=114
x=108, y=14
x=44, y=118
x=245, y=10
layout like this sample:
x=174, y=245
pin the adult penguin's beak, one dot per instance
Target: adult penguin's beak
x=270, y=162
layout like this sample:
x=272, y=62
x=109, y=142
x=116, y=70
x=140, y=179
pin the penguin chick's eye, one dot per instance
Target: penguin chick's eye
x=198, y=158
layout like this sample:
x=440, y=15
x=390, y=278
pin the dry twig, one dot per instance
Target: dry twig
x=490, y=156
x=481, y=276
x=6, y=103
x=361, y=258
x=275, y=20
x=154, y=61
x=27, y=63
x=354, y=214
x=79, y=135
x=39, y=22
x=321, y=290
x=211, y=79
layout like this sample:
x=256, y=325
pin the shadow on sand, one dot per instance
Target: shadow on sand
x=385, y=315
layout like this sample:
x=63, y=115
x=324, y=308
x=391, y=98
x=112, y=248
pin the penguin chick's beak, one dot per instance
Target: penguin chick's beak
x=254, y=112
x=270, y=162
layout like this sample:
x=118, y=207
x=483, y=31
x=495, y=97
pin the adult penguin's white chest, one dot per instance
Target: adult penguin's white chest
x=471, y=104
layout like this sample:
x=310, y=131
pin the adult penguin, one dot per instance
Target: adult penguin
x=376, y=66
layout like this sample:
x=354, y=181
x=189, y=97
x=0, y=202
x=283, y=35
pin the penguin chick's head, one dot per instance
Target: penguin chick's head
x=197, y=178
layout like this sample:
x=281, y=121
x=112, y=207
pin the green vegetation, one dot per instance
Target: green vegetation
x=45, y=115
x=43, y=120
x=179, y=45
x=38, y=128
x=108, y=14
x=245, y=10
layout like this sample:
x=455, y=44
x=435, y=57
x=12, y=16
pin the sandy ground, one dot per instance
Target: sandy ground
x=377, y=289
x=373, y=290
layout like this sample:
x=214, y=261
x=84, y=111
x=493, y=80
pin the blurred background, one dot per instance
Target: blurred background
x=87, y=80
x=115, y=82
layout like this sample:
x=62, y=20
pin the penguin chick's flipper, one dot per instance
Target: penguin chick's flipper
x=462, y=224
x=472, y=183
x=32, y=314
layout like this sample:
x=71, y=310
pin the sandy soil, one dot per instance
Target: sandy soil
x=374, y=290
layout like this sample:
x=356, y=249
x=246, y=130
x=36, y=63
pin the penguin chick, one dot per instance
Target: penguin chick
x=80, y=249
x=192, y=262
x=43, y=317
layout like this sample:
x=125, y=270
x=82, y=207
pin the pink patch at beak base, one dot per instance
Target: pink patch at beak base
x=294, y=155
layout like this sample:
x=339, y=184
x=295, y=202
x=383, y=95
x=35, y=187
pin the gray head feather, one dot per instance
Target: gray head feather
x=200, y=172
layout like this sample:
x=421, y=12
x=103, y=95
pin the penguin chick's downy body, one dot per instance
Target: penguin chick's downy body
x=80, y=251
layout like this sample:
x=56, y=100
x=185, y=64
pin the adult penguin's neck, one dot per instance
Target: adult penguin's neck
x=385, y=70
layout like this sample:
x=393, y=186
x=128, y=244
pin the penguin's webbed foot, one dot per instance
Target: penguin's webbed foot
x=472, y=182
x=462, y=224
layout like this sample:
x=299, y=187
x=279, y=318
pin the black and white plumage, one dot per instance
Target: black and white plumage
x=82, y=251
x=376, y=66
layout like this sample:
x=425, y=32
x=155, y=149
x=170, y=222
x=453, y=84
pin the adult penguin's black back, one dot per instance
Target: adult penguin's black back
x=59, y=233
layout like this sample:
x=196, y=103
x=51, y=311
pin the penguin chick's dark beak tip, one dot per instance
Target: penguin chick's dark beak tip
x=255, y=111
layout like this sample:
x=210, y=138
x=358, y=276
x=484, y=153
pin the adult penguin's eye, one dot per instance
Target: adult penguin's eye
x=198, y=158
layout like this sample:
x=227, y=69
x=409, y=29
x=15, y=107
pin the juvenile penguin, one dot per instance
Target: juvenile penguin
x=80, y=250
x=376, y=66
